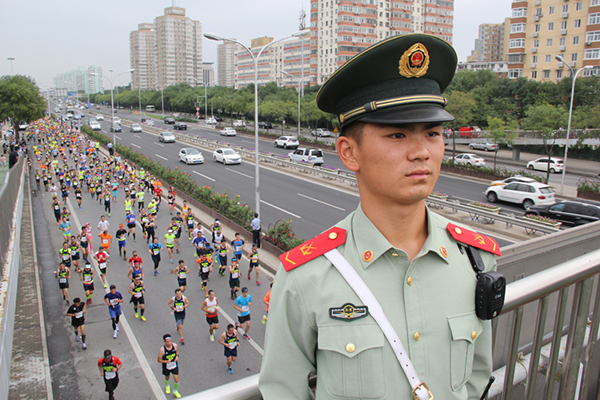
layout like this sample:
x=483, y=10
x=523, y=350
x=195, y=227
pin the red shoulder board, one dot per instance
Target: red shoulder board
x=474, y=239
x=313, y=248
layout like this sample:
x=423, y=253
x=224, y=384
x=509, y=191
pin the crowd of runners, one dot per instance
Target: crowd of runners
x=70, y=167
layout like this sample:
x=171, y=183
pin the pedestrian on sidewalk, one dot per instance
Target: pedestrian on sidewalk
x=255, y=224
x=76, y=312
x=113, y=300
x=109, y=367
x=168, y=357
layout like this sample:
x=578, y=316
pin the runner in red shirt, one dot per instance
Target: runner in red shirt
x=109, y=366
x=102, y=257
x=135, y=266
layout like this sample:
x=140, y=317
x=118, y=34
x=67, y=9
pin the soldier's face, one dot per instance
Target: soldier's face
x=395, y=165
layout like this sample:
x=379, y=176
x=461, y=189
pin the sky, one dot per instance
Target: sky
x=47, y=38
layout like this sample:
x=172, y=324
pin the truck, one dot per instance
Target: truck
x=470, y=132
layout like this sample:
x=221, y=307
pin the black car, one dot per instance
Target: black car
x=169, y=121
x=265, y=125
x=218, y=119
x=180, y=126
x=571, y=213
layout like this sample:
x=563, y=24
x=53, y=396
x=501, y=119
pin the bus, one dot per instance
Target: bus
x=150, y=108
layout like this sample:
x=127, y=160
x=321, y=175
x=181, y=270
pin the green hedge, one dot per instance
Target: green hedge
x=281, y=235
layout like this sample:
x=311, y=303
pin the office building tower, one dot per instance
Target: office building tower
x=143, y=55
x=226, y=63
x=208, y=72
x=80, y=79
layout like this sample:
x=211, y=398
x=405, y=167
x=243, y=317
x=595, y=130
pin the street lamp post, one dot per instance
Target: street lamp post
x=255, y=59
x=560, y=58
x=112, y=102
x=205, y=96
x=300, y=84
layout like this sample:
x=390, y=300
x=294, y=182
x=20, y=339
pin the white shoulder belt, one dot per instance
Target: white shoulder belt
x=420, y=389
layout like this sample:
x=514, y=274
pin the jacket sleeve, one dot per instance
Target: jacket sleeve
x=290, y=343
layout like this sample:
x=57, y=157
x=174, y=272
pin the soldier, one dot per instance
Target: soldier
x=392, y=265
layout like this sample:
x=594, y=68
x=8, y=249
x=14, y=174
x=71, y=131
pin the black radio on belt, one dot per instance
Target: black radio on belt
x=491, y=286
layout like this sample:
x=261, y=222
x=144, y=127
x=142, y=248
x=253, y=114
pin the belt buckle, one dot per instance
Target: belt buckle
x=422, y=384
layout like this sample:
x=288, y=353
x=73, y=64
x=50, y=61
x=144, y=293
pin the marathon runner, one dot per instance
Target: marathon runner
x=76, y=312
x=178, y=304
x=229, y=339
x=211, y=307
x=181, y=271
x=87, y=277
x=137, y=289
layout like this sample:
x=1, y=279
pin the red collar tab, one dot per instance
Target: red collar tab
x=313, y=248
x=474, y=239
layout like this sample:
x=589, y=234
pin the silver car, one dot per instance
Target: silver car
x=166, y=137
x=135, y=128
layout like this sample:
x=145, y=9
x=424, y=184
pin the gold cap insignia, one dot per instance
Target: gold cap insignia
x=414, y=63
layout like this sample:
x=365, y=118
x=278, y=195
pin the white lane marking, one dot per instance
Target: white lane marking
x=204, y=176
x=322, y=202
x=158, y=144
x=139, y=137
x=159, y=156
x=135, y=345
x=118, y=137
x=133, y=144
x=238, y=172
x=280, y=209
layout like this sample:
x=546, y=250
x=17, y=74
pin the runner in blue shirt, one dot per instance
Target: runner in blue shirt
x=113, y=300
x=242, y=305
x=238, y=246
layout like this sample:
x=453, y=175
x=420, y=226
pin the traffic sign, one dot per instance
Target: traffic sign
x=197, y=108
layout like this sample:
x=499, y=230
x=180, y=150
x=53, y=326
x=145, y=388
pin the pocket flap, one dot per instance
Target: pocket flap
x=465, y=327
x=350, y=339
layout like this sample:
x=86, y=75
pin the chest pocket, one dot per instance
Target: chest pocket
x=465, y=330
x=352, y=354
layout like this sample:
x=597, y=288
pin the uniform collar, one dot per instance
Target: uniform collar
x=370, y=244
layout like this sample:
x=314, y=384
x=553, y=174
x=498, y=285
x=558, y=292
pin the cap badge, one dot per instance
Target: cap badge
x=414, y=63
x=348, y=312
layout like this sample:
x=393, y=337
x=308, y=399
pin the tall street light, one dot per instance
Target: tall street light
x=561, y=59
x=112, y=102
x=255, y=59
x=300, y=84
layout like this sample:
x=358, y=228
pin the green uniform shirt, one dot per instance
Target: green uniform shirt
x=430, y=302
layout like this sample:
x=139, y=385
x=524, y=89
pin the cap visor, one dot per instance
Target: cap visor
x=409, y=115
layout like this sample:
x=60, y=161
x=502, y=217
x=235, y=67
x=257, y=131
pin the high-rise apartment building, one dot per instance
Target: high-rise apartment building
x=226, y=63
x=144, y=57
x=208, y=72
x=340, y=28
x=177, y=55
x=541, y=30
x=80, y=79
x=489, y=45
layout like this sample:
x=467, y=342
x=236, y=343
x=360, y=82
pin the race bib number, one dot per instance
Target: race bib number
x=179, y=308
x=182, y=275
x=232, y=345
x=171, y=365
x=205, y=269
x=114, y=302
x=235, y=275
x=245, y=308
x=102, y=265
x=62, y=280
x=137, y=295
x=79, y=314
x=87, y=279
x=156, y=251
x=110, y=375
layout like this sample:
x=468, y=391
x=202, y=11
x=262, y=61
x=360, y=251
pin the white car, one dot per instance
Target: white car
x=100, y=117
x=313, y=156
x=135, y=128
x=287, y=142
x=228, y=131
x=541, y=164
x=166, y=137
x=23, y=125
x=320, y=132
x=239, y=123
x=116, y=120
x=190, y=155
x=95, y=125
x=227, y=156
x=527, y=194
x=469, y=159
x=516, y=178
x=487, y=146
x=211, y=121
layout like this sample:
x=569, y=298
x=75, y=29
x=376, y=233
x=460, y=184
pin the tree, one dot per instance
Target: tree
x=501, y=132
x=20, y=100
x=546, y=119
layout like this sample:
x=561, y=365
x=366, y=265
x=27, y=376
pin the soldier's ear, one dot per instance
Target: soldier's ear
x=347, y=149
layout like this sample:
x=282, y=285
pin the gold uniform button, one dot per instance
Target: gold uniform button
x=350, y=347
x=474, y=335
x=333, y=235
x=417, y=336
x=409, y=280
x=458, y=230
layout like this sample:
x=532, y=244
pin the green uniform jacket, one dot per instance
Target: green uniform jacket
x=430, y=302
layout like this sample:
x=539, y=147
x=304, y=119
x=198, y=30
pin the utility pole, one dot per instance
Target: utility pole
x=301, y=27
